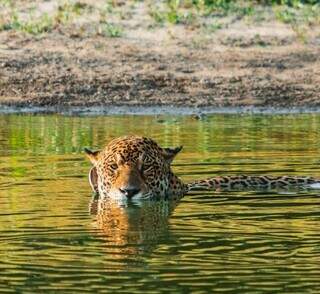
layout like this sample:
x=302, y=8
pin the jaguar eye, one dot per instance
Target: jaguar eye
x=114, y=166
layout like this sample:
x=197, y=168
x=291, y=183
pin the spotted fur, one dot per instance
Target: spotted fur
x=245, y=182
x=137, y=167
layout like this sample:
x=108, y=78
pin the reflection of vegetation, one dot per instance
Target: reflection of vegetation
x=224, y=140
x=219, y=139
x=55, y=134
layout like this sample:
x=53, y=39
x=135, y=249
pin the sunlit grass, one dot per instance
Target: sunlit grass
x=108, y=17
x=299, y=16
x=110, y=30
x=28, y=21
x=306, y=14
x=32, y=26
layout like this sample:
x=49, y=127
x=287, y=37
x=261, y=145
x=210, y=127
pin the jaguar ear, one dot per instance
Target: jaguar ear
x=170, y=153
x=93, y=179
x=92, y=155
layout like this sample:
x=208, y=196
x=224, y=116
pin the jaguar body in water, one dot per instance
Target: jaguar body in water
x=137, y=167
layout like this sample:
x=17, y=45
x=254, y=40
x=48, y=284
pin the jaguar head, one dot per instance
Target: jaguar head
x=131, y=168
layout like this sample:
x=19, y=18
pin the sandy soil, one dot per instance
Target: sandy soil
x=241, y=65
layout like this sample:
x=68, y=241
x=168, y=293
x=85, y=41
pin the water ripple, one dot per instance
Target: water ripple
x=233, y=242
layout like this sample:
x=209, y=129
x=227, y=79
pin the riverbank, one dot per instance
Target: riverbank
x=197, y=113
x=217, y=62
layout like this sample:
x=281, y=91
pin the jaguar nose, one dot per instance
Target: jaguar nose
x=129, y=192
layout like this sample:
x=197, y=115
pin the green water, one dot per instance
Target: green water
x=229, y=242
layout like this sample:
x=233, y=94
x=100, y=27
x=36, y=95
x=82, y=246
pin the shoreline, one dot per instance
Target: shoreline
x=155, y=110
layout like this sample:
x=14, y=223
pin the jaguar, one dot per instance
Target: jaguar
x=137, y=167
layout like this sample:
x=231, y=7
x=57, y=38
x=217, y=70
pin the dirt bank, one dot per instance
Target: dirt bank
x=240, y=65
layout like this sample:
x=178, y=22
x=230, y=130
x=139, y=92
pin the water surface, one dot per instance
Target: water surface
x=240, y=242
